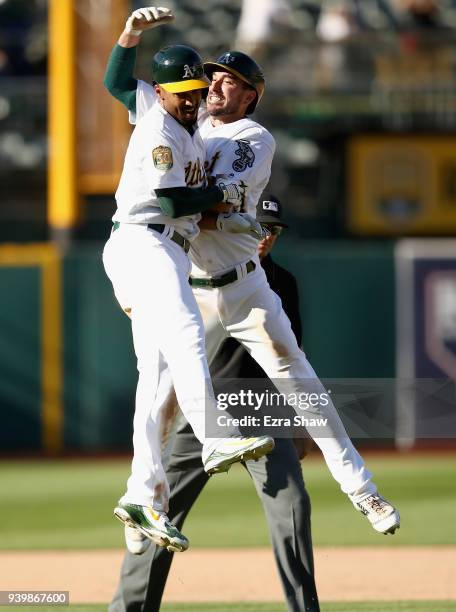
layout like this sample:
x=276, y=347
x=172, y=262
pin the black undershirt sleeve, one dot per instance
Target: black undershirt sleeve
x=181, y=201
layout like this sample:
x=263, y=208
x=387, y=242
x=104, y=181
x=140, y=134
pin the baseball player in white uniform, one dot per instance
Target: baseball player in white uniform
x=228, y=283
x=160, y=195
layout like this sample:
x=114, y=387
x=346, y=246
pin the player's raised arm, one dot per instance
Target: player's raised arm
x=118, y=78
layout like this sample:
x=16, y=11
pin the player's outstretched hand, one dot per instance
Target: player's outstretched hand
x=239, y=223
x=147, y=18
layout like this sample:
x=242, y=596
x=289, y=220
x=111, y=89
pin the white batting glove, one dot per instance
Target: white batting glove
x=147, y=18
x=231, y=194
x=239, y=223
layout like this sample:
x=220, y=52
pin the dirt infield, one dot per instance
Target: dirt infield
x=343, y=574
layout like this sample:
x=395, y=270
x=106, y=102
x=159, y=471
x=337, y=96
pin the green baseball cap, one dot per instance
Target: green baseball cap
x=179, y=68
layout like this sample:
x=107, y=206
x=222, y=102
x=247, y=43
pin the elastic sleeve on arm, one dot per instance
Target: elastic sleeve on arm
x=181, y=201
x=118, y=78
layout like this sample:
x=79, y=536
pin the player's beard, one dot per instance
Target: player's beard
x=224, y=107
x=227, y=109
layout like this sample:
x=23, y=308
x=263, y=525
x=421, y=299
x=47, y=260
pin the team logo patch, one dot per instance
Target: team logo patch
x=163, y=158
x=269, y=205
x=245, y=154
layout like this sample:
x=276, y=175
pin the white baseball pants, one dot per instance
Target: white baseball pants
x=251, y=312
x=149, y=274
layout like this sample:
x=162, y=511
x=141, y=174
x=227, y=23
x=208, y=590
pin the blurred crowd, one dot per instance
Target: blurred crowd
x=23, y=27
x=23, y=37
x=336, y=20
x=257, y=22
x=362, y=60
x=246, y=24
x=23, y=66
x=261, y=27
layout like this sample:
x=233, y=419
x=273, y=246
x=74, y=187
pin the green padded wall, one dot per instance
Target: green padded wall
x=347, y=302
x=100, y=366
x=20, y=352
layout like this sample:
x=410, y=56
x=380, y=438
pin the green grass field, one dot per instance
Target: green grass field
x=68, y=505
x=403, y=606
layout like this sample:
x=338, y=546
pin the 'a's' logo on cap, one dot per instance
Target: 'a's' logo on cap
x=227, y=58
x=269, y=205
x=189, y=71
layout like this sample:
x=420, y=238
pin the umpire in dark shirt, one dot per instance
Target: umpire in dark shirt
x=277, y=477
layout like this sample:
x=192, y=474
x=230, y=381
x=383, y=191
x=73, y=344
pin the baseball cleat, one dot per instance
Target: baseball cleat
x=135, y=541
x=383, y=517
x=232, y=450
x=152, y=524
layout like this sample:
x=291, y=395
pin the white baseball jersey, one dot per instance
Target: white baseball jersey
x=243, y=152
x=161, y=154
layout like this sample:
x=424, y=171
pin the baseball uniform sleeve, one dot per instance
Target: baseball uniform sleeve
x=137, y=96
x=145, y=99
x=118, y=78
x=163, y=163
x=252, y=158
x=250, y=164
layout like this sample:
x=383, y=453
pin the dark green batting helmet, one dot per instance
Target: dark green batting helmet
x=179, y=68
x=242, y=66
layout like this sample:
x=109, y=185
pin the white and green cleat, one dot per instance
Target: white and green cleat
x=382, y=515
x=152, y=524
x=233, y=450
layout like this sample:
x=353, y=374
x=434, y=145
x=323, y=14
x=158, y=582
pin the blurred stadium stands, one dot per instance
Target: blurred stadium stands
x=387, y=73
x=23, y=98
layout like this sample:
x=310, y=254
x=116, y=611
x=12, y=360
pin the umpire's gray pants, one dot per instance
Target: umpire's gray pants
x=280, y=486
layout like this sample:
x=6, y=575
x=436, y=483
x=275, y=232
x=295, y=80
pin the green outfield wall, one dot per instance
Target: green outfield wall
x=347, y=304
x=67, y=367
